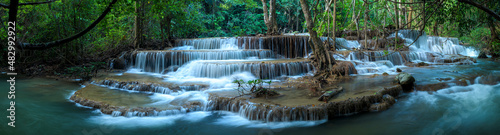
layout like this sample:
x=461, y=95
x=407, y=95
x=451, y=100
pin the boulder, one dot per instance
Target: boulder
x=387, y=101
x=172, y=68
x=118, y=63
x=482, y=54
x=398, y=70
x=406, y=80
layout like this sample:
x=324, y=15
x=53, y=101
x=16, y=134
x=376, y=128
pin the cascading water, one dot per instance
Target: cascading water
x=218, y=61
x=423, y=48
x=158, y=61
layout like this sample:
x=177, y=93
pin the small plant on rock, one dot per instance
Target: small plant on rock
x=255, y=88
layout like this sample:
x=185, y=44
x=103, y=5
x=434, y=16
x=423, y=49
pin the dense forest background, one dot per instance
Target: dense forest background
x=134, y=24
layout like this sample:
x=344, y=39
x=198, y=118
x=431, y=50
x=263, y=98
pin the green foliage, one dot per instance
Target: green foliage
x=254, y=88
x=85, y=71
x=477, y=37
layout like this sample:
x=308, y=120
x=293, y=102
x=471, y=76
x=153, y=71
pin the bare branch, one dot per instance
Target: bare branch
x=4, y=5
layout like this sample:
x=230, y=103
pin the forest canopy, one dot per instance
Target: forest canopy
x=156, y=23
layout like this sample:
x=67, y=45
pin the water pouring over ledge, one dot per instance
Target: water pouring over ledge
x=220, y=59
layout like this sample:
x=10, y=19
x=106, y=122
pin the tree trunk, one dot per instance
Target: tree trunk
x=162, y=33
x=168, y=30
x=137, y=26
x=397, y=25
x=270, y=17
x=334, y=24
x=324, y=61
x=13, y=10
x=435, y=29
x=366, y=24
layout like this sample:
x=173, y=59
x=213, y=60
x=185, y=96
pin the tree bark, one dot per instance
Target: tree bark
x=270, y=17
x=334, y=24
x=41, y=46
x=13, y=10
x=319, y=50
x=397, y=25
x=168, y=29
x=137, y=26
x=366, y=24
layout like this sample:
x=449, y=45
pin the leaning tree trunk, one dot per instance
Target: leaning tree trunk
x=324, y=61
x=270, y=17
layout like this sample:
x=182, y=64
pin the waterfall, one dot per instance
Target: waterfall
x=209, y=43
x=260, y=69
x=443, y=45
x=273, y=113
x=446, y=45
x=158, y=61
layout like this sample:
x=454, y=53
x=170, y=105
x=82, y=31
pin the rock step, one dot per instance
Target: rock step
x=159, y=60
x=208, y=50
x=146, y=83
x=329, y=110
x=263, y=61
x=263, y=69
x=122, y=103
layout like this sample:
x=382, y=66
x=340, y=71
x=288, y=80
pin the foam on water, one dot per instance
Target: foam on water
x=183, y=48
x=235, y=120
x=457, y=106
x=215, y=83
x=135, y=122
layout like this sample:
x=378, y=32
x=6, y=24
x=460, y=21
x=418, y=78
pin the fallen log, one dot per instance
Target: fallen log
x=329, y=94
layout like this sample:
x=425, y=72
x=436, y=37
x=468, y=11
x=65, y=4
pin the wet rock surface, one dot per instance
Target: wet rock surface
x=119, y=63
x=119, y=103
x=406, y=80
x=432, y=87
x=329, y=110
x=482, y=54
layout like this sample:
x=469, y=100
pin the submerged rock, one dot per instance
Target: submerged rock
x=432, y=87
x=482, y=54
x=172, y=68
x=388, y=101
x=398, y=70
x=118, y=64
x=406, y=80
x=420, y=64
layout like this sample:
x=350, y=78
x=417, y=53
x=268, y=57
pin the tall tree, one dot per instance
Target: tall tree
x=324, y=60
x=138, y=23
x=270, y=17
